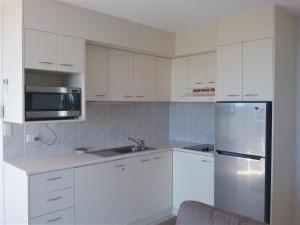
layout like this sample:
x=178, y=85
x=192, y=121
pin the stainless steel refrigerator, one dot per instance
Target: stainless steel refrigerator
x=243, y=158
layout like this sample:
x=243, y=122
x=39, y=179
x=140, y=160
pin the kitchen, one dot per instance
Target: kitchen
x=137, y=89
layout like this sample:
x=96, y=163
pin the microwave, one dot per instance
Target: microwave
x=52, y=103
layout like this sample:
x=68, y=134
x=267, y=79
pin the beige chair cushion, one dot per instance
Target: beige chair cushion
x=195, y=213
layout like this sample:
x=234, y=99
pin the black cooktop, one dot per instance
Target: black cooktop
x=201, y=147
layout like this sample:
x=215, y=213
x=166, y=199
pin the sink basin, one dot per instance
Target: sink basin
x=119, y=151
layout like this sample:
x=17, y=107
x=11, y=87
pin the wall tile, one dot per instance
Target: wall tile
x=14, y=145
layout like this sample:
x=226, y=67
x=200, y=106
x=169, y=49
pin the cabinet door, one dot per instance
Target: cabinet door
x=163, y=91
x=258, y=70
x=139, y=176
x=211, y=70
x=161, y=182
x=230, y=73
x=144, y=77
x=70, y=54
x=40, y=50
x=193, y=178
x=197, y=71
x=179, y=78
x=101, y=193
x=120, y=75
x=96, y=73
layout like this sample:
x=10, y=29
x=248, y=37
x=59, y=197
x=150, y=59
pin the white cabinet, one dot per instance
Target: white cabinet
x=101, y=193
x=40, y=50
x=120, y=75
x=61, y=217
x=193, y=178
x=96, y=73
x=70, y=54
x=197, y=71
x=163, y=91
x=150, y=185
x=258, y=70
x=230, y=73
x=211, y=70
x=144, y=77
x=179, y=78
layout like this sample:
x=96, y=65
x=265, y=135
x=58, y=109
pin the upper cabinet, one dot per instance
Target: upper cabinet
x=144, y=77
x=245, y=71
x=163, y=91
x=258, y=70
x=230, y=73
x=40, y=50
x=120, y=75
x=70, y=54
x=179, y=78
x=48, y=51
x=197, y=71
x=211, y=70
x=96, y=73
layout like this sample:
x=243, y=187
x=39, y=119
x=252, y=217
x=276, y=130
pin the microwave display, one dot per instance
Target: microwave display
x=49, y=103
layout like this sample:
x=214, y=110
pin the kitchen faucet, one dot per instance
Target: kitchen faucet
x=140, y=143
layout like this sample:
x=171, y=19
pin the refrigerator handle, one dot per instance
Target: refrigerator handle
x=239, y=155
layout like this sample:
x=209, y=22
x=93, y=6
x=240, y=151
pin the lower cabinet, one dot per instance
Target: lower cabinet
x=123, y=191
x=61, y=217
x=193, y=178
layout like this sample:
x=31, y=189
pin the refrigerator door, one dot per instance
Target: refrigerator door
x=240, y=185
x=241, y=128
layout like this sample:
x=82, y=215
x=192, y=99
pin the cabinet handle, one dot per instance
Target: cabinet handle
x=140, y=96
x=205, y=161
x=211, y=82
x=200, y=83
x=65, y=64
x=233, y=95
x=157, y=157
x=5, y=81
x=127, y=96
x=54, y=199
x=145, y=160
x=44, y=62
x=54, y=220
x=100, y=95
x=120, y=166
x=247, y=95
x=54, y=178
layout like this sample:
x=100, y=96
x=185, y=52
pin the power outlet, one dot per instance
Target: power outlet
x=30, y=138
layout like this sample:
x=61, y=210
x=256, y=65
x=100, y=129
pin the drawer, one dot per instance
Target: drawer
x=52, y=202
x=65, y=216
x=52, y=181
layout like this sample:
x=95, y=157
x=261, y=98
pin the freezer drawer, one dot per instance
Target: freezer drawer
x=240, y=185
x=242, y=127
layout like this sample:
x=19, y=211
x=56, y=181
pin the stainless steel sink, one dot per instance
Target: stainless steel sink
x=120, y=151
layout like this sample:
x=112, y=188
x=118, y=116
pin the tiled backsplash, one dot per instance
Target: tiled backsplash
x=109, y=125
x=192, y=122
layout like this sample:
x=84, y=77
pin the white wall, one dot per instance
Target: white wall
x=58, y=17
x=198, y=40
x=297, y=152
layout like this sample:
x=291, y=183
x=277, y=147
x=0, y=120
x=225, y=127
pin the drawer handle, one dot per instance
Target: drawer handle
x=251, y=95
x=65, y=64
x=127, y=96
x=233, y=95
x=145, y=160
x=54, y=199
x=44, y=62
x=54, y=178
x=157, y=157
x=200, y=83
x=211, y=82
x=100, y=95
x=120, y=166
x=205, y=161
x=54, y=220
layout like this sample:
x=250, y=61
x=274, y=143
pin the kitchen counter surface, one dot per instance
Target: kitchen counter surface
x=37, y=165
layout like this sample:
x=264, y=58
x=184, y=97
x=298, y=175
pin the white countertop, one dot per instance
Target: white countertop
x=36, y=165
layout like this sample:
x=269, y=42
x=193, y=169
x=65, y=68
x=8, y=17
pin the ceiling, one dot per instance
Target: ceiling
x=177, y=15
